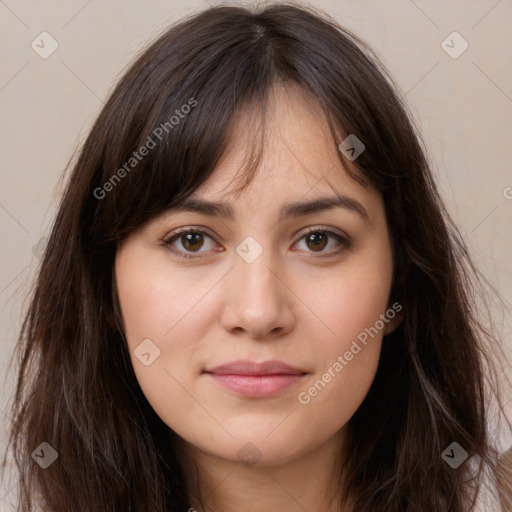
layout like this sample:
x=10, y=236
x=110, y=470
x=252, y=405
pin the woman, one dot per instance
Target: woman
x=252, y=297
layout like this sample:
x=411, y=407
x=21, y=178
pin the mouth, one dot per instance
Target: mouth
x=256, y=380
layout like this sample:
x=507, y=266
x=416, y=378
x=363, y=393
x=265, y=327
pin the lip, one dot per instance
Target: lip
x=246, y=367
x=256, y=380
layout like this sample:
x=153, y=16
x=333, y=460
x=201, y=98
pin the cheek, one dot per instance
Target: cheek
x=348, y=365
x=154, y=301
x=170, y=310
x=355, y=299
x=352, y=307
x=161, y=331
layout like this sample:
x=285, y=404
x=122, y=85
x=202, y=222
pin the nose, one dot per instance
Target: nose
x=258, y=299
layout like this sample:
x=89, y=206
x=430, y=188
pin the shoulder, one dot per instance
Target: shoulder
x=496, y=489
x=489, y=497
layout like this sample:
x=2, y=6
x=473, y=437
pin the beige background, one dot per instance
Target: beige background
x=463, y=107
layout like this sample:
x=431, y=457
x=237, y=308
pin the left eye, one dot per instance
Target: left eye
x=192, y=240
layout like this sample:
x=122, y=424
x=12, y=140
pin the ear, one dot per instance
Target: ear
x=394, y=321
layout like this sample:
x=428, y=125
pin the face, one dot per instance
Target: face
x=306, y=291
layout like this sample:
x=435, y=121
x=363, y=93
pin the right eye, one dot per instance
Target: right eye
x=189, y=238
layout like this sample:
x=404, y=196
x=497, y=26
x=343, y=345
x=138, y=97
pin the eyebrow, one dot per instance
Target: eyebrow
x=288, y=210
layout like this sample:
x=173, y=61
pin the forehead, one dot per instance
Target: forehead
x=299, y=158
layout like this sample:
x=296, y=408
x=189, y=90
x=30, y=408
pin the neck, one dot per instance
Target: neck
x=311, y=482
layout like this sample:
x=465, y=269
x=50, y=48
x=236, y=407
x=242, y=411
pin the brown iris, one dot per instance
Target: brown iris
x=192, y=241
x=317, y=239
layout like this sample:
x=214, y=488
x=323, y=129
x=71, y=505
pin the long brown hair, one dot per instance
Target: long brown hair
x=76, y=389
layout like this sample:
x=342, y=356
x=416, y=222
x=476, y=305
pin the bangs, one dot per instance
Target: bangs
x=173, y=116
x=176, y=129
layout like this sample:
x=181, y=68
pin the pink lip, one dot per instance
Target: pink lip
x=256, y=380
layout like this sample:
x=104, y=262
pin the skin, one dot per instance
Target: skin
x=290, y=304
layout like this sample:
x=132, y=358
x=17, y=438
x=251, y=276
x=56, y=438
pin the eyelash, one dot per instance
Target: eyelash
x=344, y=241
